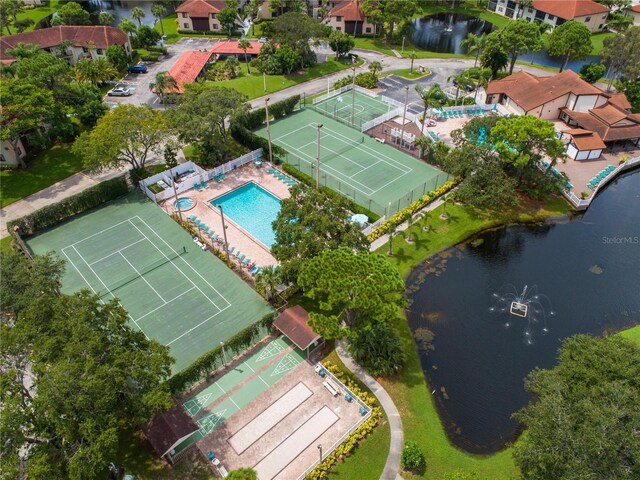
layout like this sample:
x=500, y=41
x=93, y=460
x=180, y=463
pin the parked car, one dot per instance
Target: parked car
x=263, y=40
x=119, y=92
x=469, y=87
x=139, y=68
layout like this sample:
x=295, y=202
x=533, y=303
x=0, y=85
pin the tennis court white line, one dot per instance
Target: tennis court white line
x=183, y=260
x=199, y=325
x=168, y=301
x=97, y=233
x=143, y=279
x=118, y=251
x=312, y=125
x=234, y=402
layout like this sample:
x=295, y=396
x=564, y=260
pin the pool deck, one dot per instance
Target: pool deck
x=236, y=235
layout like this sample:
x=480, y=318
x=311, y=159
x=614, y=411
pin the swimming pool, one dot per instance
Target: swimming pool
x=253, y=208
x=183, y=203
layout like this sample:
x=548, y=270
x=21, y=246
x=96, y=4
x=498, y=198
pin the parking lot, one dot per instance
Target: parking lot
x=139, y=83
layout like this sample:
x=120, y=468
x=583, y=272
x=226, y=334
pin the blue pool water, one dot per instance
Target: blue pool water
x=252, y=208
x=183, y=203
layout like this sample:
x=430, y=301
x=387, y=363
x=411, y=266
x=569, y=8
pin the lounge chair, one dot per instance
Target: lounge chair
x=254, y=270
x=197, y=222
x=241, y=257
x=197, y=187
x=192, y=218
x=231, y=249
x=203, y=184
x=210, y=232
x=214, y=236
x=246, y=261
x=221, y=176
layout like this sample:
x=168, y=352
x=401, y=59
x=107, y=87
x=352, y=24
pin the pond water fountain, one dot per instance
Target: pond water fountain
x=445, y=31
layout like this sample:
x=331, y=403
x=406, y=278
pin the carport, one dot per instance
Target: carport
x=293, y=324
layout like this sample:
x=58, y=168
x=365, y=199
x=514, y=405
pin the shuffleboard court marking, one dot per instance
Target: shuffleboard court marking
x=194, y=405
x=296, y=443
x=285, y=364
x=269, y=418
x=271, y=350
x=210, y=421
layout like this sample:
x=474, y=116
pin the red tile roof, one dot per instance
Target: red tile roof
x=635, y=8
x=599, y=124
x=585, y=139
x=200, y=8
x=569, y=9
x=188, y=67
x=293, y=323
x=230, y=47
x=165, y=430
x=101, y=36
x=620, y=99
x=530, y=91
x=350, y=10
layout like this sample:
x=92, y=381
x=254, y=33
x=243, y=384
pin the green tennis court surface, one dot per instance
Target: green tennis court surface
x=353, y=111
x=374, y=175
x=261, y=371
x=174, y=292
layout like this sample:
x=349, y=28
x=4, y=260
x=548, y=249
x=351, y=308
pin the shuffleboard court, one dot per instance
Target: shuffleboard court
x=131, y=251
x=252, y=431
x=295, y=443
x=376, y=176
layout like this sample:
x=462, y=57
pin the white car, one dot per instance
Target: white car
x=119, y=92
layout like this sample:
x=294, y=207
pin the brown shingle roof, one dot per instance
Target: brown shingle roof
x=101, y=36
x=165, y=430
x=585, y=139
x=620, y=99
x=636, y=8
x=569, y=9
x=350, y=10
x=188, y=67
x=293, y=323
x=200, y=8
x=607, y=132
x=530, y=91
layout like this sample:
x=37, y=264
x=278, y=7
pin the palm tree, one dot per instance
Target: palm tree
x=412, y=56
x=430, y=98
x=95, y=71
x=375, y=67
x=164, y=83
x=474, y=45
x=105, y=18
x=445, y=199
x=408, y=217
x=424, y=215
x=244, y=45
x=267, y=280
x=391, y=231
x=137, y=13
x=128, y=27
x=158, y=11
x=619, y=22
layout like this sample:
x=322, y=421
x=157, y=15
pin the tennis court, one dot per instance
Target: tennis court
x=131, y=251
x=353, y=107
x=374, y=175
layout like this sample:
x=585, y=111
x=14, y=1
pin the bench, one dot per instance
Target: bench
x=329, y=386
x=381, y=140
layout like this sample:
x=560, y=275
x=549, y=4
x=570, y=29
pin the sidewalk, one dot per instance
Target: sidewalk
x=392, y=467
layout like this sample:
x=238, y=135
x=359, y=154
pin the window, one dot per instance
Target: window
x=600, y=26
x=338, y=19
x=587, y=19
x=99, y=51
x=186, y=26
x=184, y=15
x=338, y=28
x=550, y=17
x=604, y=17
x=215, y=26
x=530, y=10
x=368, y=30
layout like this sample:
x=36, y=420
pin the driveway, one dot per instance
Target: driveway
x=139, y=82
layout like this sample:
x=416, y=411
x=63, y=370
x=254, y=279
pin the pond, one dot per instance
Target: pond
x=582, y=275
x=445, y=31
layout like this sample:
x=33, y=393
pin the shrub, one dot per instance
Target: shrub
x=592, y=72
x=150, y=57
x=364, y=80
x=158, y=48
x=379, y=350
x=55, y=213
x=399, y=217
x=412, y=457
x=208, y=362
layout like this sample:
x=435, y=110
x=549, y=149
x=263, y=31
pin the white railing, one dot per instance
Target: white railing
x=344, y=390
x=367, y=92
x=382, y=118
x=196, y=176
x=331, y=94
x=391, y=101
x=372, y=226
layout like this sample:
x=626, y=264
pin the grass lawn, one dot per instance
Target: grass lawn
x=375, y=44
x=597, y=40
x=409, y=389
x=45, y=169
x=5, y=244
x=632, y=334
x=35, y=14
x=170, y=25
x=408, y=74
x=139, y=459
x=253, y=85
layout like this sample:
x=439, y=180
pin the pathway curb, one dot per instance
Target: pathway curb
x=392, y=467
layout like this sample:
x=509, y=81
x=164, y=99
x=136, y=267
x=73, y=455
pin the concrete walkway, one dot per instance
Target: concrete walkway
x=392, y=467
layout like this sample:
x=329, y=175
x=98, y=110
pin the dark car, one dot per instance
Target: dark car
x=469, y=87
x=139, y=68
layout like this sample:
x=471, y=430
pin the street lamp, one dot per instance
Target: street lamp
x=266, y=108
x=320, y=448
x=353, y=98
x=224, y=357
x=264, y=81
x=404, y=115
x=319, y=126
x=403, y=38
x=224, y=233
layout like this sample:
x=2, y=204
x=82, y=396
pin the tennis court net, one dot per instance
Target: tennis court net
x=141, y=272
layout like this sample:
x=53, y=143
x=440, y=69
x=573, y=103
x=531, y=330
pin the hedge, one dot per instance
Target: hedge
x=353, y=206
x=242, y=125
x=200, y=369
x=399, y=217
x=150, y=57
x=55, y=213
x=158, y=48
x=345, y=449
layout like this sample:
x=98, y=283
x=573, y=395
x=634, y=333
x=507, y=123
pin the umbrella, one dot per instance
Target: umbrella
x=360, y=218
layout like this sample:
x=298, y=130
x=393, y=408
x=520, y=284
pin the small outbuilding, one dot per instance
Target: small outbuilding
x=583, y=144
x=293, y=324
x=171, y=434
